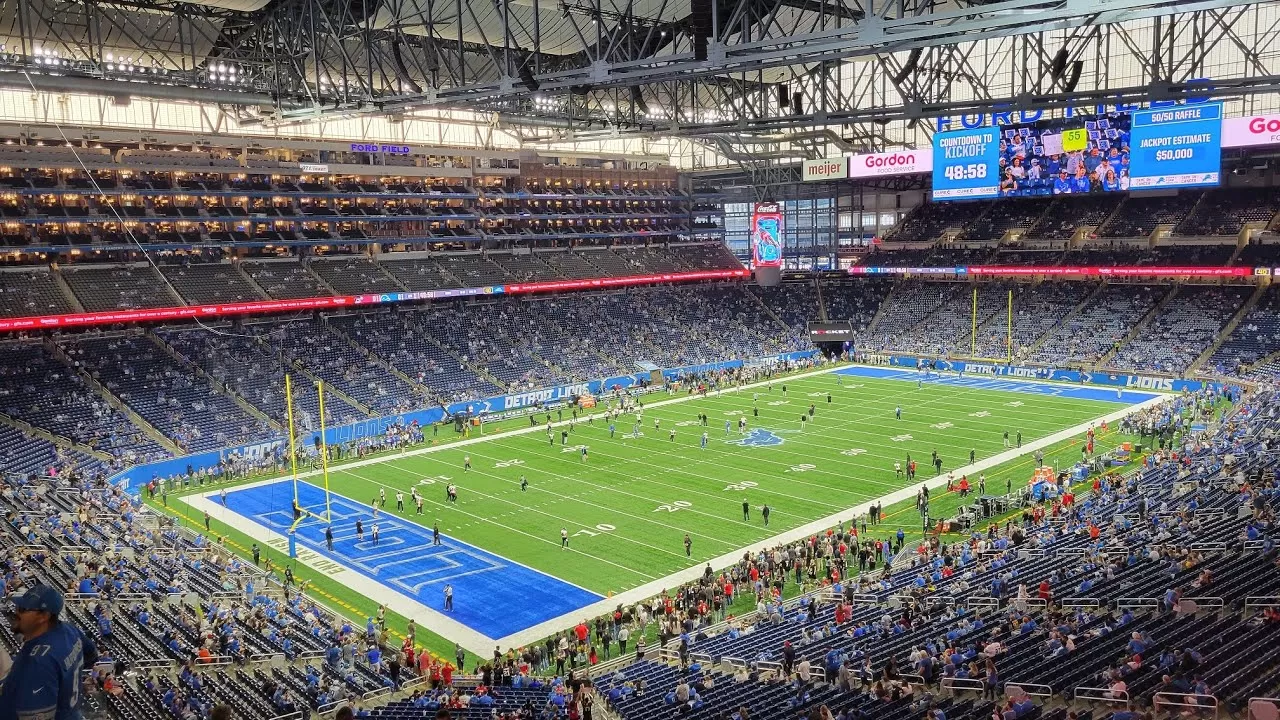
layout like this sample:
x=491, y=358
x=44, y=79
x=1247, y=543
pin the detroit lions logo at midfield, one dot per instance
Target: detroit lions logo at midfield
x=758, y=438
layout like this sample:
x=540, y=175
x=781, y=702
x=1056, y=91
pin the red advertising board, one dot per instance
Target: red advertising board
x=612, y=282
x=267, y=307
x=1101, y=271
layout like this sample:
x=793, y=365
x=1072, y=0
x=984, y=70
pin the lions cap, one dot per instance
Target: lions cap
x=40, y=597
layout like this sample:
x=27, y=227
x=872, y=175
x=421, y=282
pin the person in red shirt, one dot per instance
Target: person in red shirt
x=1045, y=592
x=446, y=674
x=581, y=631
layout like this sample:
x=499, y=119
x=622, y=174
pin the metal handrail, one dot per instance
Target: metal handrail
x=982, y=602
x=1032, y=689
x=1127, y=603
x=1098, y=694
x=380, y=692
x=1157, y=701
x=1259, y=701
x=1257, y=602
x=966, y=684
x=1200, y=603
x=769, y=666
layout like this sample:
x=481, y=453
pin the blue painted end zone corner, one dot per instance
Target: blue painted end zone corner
x=1007, y=384
x=491, y=595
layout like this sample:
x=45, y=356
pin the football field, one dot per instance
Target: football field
x=629, y=503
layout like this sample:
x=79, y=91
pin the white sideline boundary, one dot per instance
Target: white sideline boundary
x=481, y=644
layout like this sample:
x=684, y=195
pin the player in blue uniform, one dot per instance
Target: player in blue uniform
x=44, y=682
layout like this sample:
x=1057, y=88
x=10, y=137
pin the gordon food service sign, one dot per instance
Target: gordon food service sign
x=899, y=162
x=1250, y=131
x=826, y=169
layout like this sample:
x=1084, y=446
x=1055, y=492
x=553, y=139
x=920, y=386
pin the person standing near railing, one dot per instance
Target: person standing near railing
x=44, y=681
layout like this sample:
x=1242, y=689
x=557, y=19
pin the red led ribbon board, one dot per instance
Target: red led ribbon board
x=267, y=307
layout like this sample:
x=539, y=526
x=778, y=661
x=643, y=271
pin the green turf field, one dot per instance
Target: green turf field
x=630, y=503
x=628, y=506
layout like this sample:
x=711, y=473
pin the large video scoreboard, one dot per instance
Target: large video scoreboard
x=1167, y=147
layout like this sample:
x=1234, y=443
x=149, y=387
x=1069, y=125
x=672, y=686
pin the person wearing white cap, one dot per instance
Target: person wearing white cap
x=44, y=681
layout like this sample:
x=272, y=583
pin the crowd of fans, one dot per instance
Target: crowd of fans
x=1090, y=595
x=133, y=396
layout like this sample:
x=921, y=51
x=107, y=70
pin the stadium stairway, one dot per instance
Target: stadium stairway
x=214, y=382
x=248, y=278
x=1030, y=351
x=928, y=318
x=57, y=440
x=766, y=309
x=538, y=356
x=1080, y=236
x=477, y=369
x=306, y=265
x=822, y=305
x=150, y=430
x=875, y=320
x=61, y=283
x=1227, y=329
x=298, y=367
x=380, y=361
x=170, y=290
x=1137, y=327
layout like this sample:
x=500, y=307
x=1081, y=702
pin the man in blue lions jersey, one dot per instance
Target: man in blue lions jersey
x=44, y=682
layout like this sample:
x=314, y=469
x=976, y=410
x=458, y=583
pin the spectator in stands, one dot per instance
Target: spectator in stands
x=44, y=680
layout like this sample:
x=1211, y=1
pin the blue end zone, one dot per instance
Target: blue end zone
x=491, y=595
x=987, y=382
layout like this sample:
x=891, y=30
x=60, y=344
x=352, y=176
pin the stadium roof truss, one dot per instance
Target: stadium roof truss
x=760, y=83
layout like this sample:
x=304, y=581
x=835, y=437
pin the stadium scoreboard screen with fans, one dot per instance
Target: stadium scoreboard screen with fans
x=1167, y=147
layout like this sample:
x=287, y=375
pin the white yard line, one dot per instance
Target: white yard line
x=480, y=644
x=651, y=589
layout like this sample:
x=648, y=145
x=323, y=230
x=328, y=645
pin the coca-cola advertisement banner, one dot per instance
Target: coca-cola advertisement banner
x=901, y=162
x=1250, y=131
x=766, y=235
